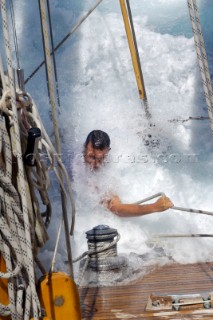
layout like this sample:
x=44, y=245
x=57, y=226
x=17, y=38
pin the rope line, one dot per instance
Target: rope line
x=203, y=51
x=53, y=55
x=189, y=118
x=43, y=42
x=56, y=247
x=191, y=235
x=38, y=178
x=14, y=32
x=12, y=240
x=202, y=57
x=161, y=194
x=27, y=249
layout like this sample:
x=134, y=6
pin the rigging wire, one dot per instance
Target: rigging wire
x=190, y=235
x=189, y=118
x=203, y=51
x=202, y=57
x=78, y=24
x=161, y=194
x=2, y=76
x=43, y=43
x=14, y=33
x=53, y=54
x=45, y=31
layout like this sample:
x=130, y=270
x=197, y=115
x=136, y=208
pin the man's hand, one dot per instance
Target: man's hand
x=163, y=203
x=113, y=202
x=110, y=200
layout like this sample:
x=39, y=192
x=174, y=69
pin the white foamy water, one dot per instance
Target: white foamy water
x=98, y=91
x=105, y=97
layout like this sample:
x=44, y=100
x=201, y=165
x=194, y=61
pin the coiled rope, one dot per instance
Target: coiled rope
x=12, y=234
x=12, y=240
x=26, y=245
x=38, y=179
x=202, y=57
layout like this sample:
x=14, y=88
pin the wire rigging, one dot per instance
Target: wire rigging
x=202, y=57
x=78, y=24
x=51, y=88
x=14, y=32
x=53, y=54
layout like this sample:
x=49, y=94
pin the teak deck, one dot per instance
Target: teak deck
x=129, y=301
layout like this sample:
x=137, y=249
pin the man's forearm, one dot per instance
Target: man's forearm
x=133, y=210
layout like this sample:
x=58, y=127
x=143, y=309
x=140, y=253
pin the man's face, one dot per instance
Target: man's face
x=94, y=157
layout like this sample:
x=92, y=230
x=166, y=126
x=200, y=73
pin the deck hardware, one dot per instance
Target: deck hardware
x=103, y=249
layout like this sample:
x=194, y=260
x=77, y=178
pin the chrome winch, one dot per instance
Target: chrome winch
x=102, y=244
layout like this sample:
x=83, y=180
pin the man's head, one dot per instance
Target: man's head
x=96, y=147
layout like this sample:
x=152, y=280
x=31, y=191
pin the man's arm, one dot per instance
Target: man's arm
x=134, y=210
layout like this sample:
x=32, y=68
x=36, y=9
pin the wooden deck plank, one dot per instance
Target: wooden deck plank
x=129, y=301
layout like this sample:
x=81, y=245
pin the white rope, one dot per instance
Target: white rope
x=203, y=51
x=14, y=229
x=12, y=240
x=33, y=116
x=19, y=300
x=6, y=181
x=56, y=248
x=81, y=276
x=201, y=55
x=27, y=248
x=102, y=248
x=46, y=147
x=39, y=177
x=51, y=152
x=10, y=308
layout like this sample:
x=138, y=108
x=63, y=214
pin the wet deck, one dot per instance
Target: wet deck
x=129, y=301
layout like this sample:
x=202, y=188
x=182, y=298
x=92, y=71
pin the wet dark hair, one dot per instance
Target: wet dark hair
x=99, y=139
